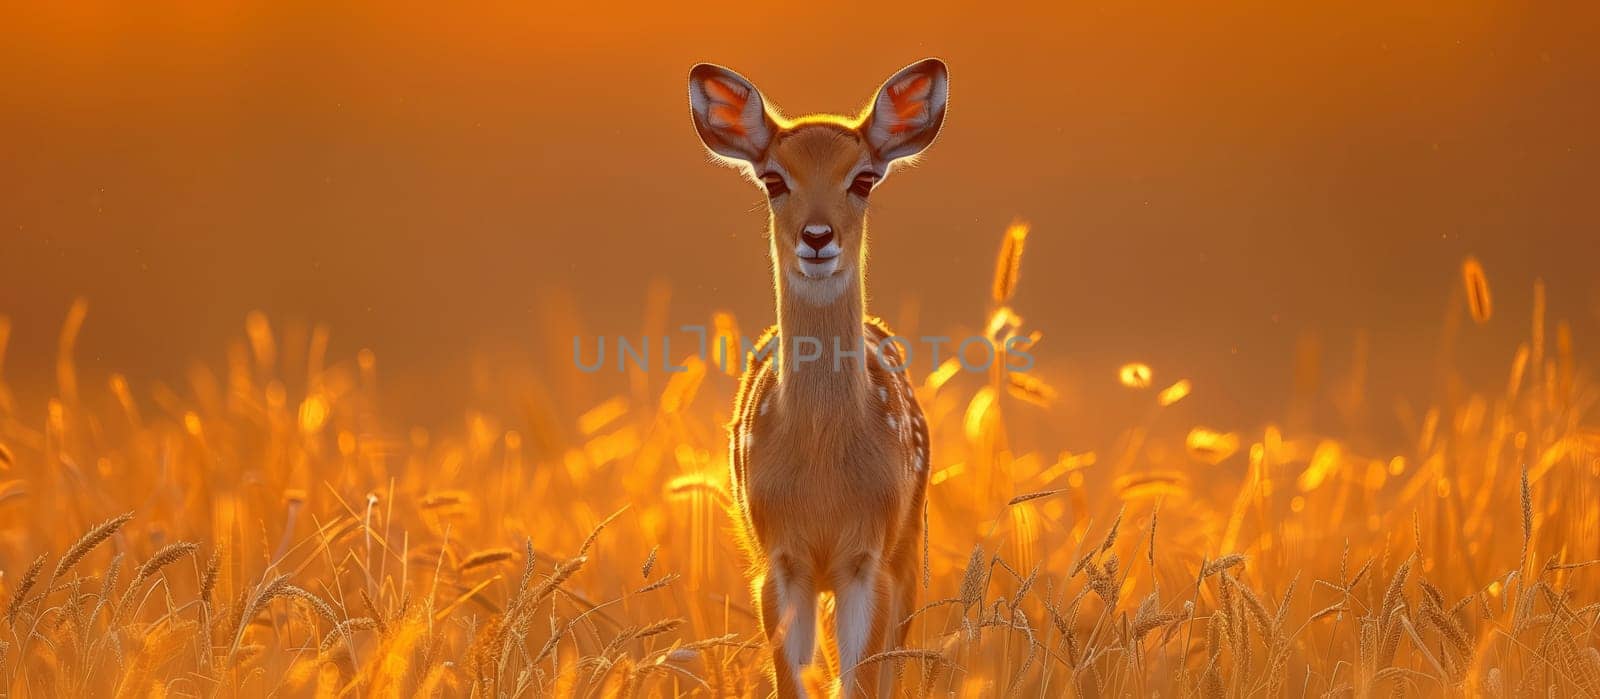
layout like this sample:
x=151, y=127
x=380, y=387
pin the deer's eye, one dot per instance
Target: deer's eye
x=774, y=184
x=862, y=186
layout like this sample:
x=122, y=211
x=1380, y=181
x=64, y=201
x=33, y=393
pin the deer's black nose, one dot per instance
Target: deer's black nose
x=817, y=236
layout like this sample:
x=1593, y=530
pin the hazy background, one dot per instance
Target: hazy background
x=1208, y=184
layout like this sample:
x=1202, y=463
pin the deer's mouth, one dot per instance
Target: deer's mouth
x=819, y=267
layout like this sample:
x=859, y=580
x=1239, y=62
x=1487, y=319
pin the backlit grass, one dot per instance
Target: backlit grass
x=250, y=533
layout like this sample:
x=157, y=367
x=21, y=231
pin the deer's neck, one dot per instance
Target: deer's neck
x=820, y=340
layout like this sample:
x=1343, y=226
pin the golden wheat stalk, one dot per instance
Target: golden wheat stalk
x=1477, y=289
x=1008, y=264
x=649, y=562
x=594, y=535
x=665, y=580
x=249, y=608
x=29, y=578
x=168, y=555
x=86, y=543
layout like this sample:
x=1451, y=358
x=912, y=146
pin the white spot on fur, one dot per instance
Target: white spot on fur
x=918, y=463
x=883, y=394
x=892, y=424
x=765, y=404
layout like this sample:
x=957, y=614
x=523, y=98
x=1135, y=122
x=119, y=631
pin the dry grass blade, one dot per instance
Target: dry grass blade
x=1422, y=648
x=444, y=612
x=1394, y=596
x=317, y=604
x=972, y=581
x=1351, y=583
x=1030, y=388
x=434, y=501
x=208, y=579
x=658, y=627
x=927, y=549
x=1221, y=564
x=930, y=606
x=1449, y=630
x=1527, y=521
x=1018, y=500
x=1283, y=606
x=1337, y=608
x=1111, y=535
x=372, y=608
x=1025, y=587
x=584, y=549
x=665, y=580
x=906, y=654
x=346, y=628
x=1252, y=603
x=1150, y=551
x=485, y=558
x=550, y=645
x=250, y=607
x=564, y=570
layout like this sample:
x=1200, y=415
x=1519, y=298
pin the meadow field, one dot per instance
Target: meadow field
x=266, y=530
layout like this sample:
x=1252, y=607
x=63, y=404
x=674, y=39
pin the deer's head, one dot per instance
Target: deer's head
x=818, y=171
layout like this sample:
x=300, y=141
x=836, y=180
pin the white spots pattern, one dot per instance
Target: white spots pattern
x=898, y=399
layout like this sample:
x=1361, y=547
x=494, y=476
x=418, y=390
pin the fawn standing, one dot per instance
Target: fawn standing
x=829, y=449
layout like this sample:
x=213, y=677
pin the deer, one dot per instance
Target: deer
x=828, y=458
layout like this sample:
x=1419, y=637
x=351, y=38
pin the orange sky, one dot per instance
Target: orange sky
x=1205, y=182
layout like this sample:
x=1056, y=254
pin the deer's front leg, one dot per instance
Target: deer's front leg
x=789, y=615
x=856, y=604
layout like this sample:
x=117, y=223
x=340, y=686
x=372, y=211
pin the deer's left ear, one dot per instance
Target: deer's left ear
x=729, y=113
x=906, y=115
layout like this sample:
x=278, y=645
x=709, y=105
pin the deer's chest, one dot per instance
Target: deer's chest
x=834, y=472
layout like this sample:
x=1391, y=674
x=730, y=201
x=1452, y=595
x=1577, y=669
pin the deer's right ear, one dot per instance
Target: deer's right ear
x=729, y=113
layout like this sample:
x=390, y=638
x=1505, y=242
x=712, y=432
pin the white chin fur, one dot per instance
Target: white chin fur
x=819, y=270
x=819, y=285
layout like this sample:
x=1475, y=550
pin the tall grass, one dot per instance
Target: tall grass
x=252, y=533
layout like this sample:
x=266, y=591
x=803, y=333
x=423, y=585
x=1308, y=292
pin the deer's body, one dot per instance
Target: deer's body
x=831, y=493
x=829, y=449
